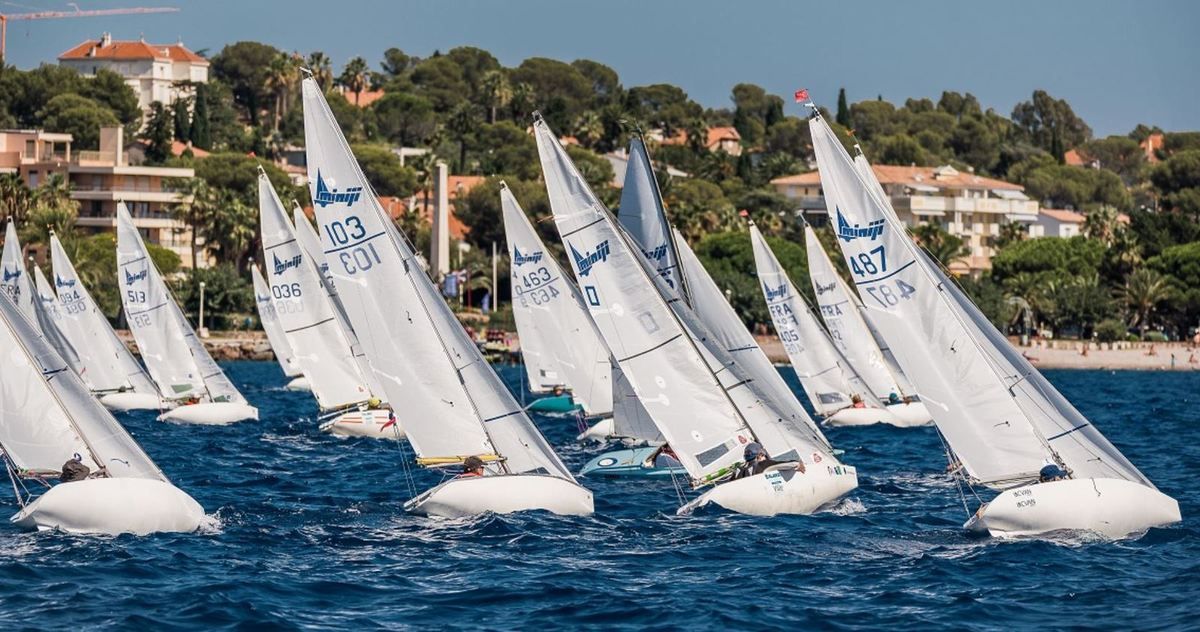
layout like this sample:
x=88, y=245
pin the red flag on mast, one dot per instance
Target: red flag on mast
x=801, y=95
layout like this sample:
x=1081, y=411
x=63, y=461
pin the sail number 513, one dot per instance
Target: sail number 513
x=359, y=258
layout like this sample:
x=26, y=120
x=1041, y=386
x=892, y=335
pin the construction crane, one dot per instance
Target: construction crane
x=77, y=13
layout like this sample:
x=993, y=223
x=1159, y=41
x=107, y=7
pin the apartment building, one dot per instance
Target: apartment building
x=156, y=72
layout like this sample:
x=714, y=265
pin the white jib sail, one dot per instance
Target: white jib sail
x=49, y=320
x=15, y=281
x=304, y=311
x=824, y=374
x=280, y=346
x=148, y=309
x=47, y=414
x=454, y=403
x=642, y=217
x=846, y=325
x=668, y=373
x=559, y=342
x=311, y=243
x=110, y=365
x=988, y=432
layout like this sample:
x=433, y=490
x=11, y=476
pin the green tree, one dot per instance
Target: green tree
x=244, y=67
x=200, y=133
x=462, y=124
x=181, y=119
x=321, y=67
x=1181, y=265
x=354, y=77
x=383, y=170
x=78, y=116
x=480, y=209
x=239, y=173
x=497, y=91
x=728, y=256
x=1145, y=289
x=228, y=296
x=1050, y=123
x=158, y=134
x=1177, y=180
x=975, y=143
x=560, y=91
x=940, y=245
x=697, y=207
x=405, y=119
x=843, y=109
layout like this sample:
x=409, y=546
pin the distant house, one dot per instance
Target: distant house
x=721, y=138
x=156, y=72
x=364, y=98
x=1151, y=145
x=966, y=205
x=619, y=160
x=1053, y=222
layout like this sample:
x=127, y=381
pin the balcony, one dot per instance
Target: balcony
x=126, y=192
x=89, y=158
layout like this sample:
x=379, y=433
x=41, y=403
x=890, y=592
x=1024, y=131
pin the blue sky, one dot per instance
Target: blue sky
x=1117, y=63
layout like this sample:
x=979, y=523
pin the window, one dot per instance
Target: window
x=30, y=149
x=33, y=179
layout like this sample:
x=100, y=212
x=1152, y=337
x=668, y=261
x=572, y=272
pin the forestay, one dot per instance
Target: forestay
x=148, y=309
x=986, y=429
x=284, y=354
x=454, y=404
x=559, y=343
x=110, y=365
x=304, y=310
x=14, y=281
x=47, y=414
x=671, y=378
x=824, y=374
x=846, y=326
x=49, y=321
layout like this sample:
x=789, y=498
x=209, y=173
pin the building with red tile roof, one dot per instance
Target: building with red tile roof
x=156, y=72
x=720, y=138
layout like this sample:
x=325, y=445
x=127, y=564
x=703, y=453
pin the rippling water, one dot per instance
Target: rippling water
x=309, y=532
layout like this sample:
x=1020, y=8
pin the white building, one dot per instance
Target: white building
x=968, y=206
x=156, y=72
x=1057, y=223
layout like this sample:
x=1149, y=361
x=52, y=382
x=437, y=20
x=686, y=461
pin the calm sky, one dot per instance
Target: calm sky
x=1117, y=63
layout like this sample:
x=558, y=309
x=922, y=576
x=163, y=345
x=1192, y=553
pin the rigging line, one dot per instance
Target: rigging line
x=654, y=348
x=282, y=243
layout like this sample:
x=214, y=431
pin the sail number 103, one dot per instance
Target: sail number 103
x=358, y=258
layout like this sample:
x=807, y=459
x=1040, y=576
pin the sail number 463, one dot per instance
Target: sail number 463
x=359, y=258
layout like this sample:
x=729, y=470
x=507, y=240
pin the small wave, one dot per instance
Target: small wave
x=848, y=507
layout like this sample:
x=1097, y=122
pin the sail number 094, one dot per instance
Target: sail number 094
x=359, y=258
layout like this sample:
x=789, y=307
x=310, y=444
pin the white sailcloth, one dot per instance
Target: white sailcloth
x=670, y=376
x=643, y=218
x=559, y=343
x=846, y=325
x=47, y=414
x=824, y=374
x=990, y=434
x=110, y=365
x=14, y=280
x=454, y=403
x=49, y=320
x=280, y=346
x=304, y=311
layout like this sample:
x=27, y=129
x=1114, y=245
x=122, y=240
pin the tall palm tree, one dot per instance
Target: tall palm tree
x=355, y=77
x=321, y=68
x=461, y=125
x=1101, y=224
x=497, y=90
x=941, y=245
x=199, y=207
x=279, y=82
x=16, y=199
x=589, y=129
x=523, y=101
x=1144, y=290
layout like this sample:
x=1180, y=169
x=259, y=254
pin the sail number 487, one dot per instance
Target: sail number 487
x=359, y=258
x=866, y=263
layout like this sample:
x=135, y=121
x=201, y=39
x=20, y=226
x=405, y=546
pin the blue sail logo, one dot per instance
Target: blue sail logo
x=61, y=282
x=520, y=259
x=281, y=266
x=263, y=299
x=585, y=261
x=775, y=293
x=11, y=275
x=130, y=279
x=656, y=254
x=849, y=233
x=326, y=196
x=821, y=289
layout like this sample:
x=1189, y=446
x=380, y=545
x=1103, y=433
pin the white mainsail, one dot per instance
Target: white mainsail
x=110, y=365
x=454, y=404
x=643, y=218
x=559, y=343
x=846, y=325
x=305, y=313
x=675, y=384
x=826, y=377
x=280, y=346
x=1001, y=418
x=49, y=320
x=47, y=414
x=15, y=281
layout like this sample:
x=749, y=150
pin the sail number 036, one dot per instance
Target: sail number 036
x=359, y=258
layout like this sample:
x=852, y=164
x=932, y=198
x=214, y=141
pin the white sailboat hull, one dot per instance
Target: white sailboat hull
x=212, y=414
x=781, y=491
x=119, y=402
x=510, y=493
x=1111, y=507
x=111, y=506
x=299, y=384
x=370, y=424
x=859, y=417
x=599, y=431
x=909, y=415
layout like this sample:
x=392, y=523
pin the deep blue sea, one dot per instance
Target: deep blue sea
x=309, y=533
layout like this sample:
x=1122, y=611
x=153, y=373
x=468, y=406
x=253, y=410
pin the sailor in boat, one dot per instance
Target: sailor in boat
x=894, y=399
x=74, y=470
x=857, y=401
x=472, y=467
x=757, y=461
x=1050, y=473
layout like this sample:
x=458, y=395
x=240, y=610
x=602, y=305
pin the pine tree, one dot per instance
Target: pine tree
x=158, y=134
x=183, y=126
x=843, y=110
x=200, y=134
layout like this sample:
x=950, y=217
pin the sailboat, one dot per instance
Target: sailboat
x=112, y=373
x=265, y=304
x=824, y=373
x=1005, y=427
x=181, y=367
x=48, y=417
x=14, y=281
x=853, y=337
x=454, y=404
x=308, y=321
x=49, y=320
x=560, y=346
x=705, y=405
